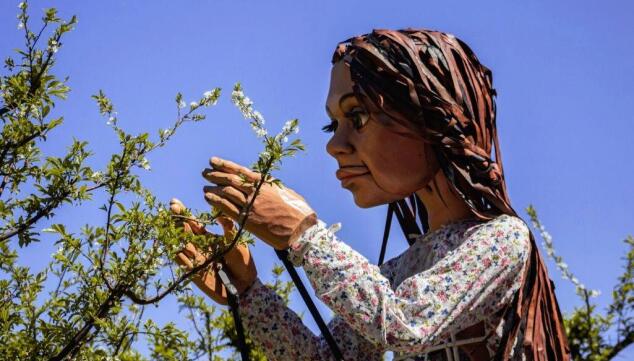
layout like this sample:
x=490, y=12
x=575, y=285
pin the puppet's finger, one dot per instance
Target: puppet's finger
x=235, y=196
x=228, y=179
x=183, y=260
x=224, y=205
x=234, y=168
x=177, y=207
x=194, y=254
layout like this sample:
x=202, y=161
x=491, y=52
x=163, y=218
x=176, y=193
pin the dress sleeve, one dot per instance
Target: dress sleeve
x=282, y=336
x=468, y=284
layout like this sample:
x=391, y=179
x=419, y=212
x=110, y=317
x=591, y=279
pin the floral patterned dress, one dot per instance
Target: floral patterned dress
x=455, y=277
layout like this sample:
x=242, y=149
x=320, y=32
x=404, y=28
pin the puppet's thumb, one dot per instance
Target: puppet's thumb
x=177, y=207
x=228, y=227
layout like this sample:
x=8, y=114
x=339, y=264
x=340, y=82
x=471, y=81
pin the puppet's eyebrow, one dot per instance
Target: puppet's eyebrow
x=341, y=100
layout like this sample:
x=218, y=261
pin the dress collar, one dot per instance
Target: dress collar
x=450, y=225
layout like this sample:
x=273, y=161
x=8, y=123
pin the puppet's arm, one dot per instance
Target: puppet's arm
x=470, y=283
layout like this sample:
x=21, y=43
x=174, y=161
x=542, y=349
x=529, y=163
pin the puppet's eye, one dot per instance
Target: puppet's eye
x=358, y=116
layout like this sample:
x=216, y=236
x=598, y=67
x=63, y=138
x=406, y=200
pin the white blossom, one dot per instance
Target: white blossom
x=257, y=116
x=208, y=97
x=22, y=5
x=58, y=252
x=20, y=25
x=145, y=164
x=287, y=126
x=182, y=104
x=193, y=104
x=166, y=132
x=157, y=262
x=237, y=94
x=53, y=46
x=260, y=132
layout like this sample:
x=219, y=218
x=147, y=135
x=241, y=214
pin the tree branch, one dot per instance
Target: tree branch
x=621, y=345
x=73, y=346
x=44, y=211
x=106, y=247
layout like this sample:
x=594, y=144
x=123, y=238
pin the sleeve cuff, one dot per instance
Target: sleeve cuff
x=308, y=239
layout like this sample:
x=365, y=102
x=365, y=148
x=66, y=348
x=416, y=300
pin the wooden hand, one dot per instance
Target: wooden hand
x=238, y=260
x=278, y=215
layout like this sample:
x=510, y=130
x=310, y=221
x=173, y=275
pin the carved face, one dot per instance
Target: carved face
x=388, y=161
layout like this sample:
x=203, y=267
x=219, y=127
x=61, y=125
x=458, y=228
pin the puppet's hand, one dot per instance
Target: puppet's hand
x=241, y=268
x=278, y=215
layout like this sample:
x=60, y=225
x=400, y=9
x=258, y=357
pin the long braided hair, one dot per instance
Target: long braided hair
x=432, y=82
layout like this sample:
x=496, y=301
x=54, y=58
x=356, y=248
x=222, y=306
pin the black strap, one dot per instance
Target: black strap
x=412, y=202
x=422, y=214
x=232, y=299
x=406, y=220
x=283, y=256
x=386, y=232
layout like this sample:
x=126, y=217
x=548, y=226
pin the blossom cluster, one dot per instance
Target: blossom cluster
x=210, y=97
x=291, y=126
x=53, y=46
x=22, y=16
x=144, y=163
x=112, y=119
x=246, y=108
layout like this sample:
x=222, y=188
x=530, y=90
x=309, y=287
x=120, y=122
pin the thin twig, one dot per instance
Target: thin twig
x=42, y=212
x=144, y=301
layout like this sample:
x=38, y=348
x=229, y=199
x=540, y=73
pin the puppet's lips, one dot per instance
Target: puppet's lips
x=347, y=172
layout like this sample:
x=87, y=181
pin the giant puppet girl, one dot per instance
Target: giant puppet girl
x=413, y=118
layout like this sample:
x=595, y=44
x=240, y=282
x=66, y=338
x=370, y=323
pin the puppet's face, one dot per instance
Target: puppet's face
x=389, y=163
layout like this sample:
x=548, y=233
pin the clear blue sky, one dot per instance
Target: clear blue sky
x=563, y=71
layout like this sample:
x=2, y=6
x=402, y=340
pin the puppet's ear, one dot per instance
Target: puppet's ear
x=381, y=101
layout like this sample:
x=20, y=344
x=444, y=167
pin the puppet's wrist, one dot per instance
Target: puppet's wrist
x=305, y=224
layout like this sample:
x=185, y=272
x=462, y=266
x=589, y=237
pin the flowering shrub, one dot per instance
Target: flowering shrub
x=587, y=330
x=107, y=272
